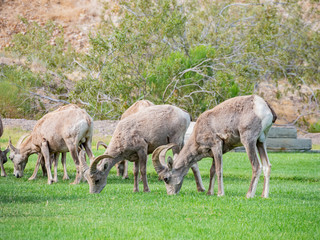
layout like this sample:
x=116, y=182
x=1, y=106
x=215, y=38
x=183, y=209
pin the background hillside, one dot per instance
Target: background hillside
x=105, y=55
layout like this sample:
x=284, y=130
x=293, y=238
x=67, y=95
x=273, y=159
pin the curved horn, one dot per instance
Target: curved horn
x=93, y=165
x=11, y=146
x=83, y=162
x=21, y=139
x=101, y=143
x=158, y=157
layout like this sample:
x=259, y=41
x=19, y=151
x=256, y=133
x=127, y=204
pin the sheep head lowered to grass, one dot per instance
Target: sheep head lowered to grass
x=246, y=120
x=60, y=131
x=134, y=138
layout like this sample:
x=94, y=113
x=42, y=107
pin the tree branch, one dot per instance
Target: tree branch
x=49, y=98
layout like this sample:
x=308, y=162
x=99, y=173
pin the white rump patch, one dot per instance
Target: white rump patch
x=262, y=110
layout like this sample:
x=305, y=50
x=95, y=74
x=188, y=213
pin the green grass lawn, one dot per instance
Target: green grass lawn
x=35, y=210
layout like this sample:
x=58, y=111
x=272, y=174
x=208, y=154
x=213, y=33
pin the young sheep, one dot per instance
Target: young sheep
x=246, y=120
x=62, y=130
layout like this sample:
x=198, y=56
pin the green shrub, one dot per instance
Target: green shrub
x=45, y=43
x=15, y=99
x=314, y=127
x=12, y=105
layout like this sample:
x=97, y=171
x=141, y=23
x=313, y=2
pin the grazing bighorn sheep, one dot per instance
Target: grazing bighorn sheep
x=3, y=154
x=1, y=127
x=3, y=160
x=53, y=158
x=62, y=130
x=245, y=120
x=136, y=107
x=134, y=138
x=122, y=167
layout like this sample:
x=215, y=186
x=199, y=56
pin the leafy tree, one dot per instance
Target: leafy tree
x=194, y=54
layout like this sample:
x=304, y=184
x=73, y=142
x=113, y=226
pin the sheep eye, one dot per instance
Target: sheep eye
x=166, y=179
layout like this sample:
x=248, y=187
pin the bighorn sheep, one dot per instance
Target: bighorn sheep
x=3, y=154
x=62, y=130
x=246, y=120
x=136, y=107
x=40, y=160
x=122, y=166
x=3, y=160
x=1, y=127
x=134, y=138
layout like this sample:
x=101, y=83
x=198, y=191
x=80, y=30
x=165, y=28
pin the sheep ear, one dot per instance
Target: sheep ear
x=105, y=166
x=170, y=162
x=12, y=147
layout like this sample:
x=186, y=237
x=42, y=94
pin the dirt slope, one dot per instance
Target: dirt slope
x=76, y=17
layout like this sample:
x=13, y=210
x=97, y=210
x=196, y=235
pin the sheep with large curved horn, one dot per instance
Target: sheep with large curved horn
x=94, y=173
x=241, y=120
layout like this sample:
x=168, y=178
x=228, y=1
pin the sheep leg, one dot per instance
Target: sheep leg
x=75, y=157
x=55, y=164
x=266, y=166
x=43, y=167
x=125, y=170
x=46, y=155
x=143, y=157
x=36, y=169
x=212, y=178
x=217, y=155
x=64, y=164
x=122, y=169
x=3, y=172
x=251, y=149
x=136, y=176
x=197, y=176
x=118, y=169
